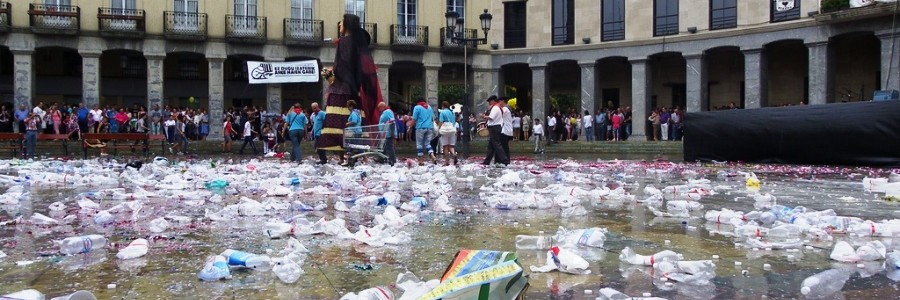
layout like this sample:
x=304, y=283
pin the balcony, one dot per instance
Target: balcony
x=121, y=23
x=5, y=20
x=412, y=38
x=245, y=29
x=54, y=19
x=371, y=28
x=449, y=46
x=185, y=26
x=302, y=32
x=847, y=14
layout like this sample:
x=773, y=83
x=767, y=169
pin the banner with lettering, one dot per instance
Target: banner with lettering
x=283, y=72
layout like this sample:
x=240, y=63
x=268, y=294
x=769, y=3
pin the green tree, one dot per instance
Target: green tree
x=452, y=93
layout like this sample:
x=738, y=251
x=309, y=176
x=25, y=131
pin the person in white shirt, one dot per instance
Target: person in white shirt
x=96, y=115
x=248, y=138
x=588, y=123
x=538, y=133
x=494, y=117
x=551, y=128
x=517, y=126
x=506, y=128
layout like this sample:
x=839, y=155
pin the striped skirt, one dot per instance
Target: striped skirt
x=336, y=115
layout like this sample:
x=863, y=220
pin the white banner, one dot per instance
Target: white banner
x=784, y=5
x=283, y=72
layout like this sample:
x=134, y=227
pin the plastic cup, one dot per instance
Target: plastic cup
x=588, y=292
x=667, y=242
x=737, y=264
x=111, y=286
x=767, y=267
x=715, y=257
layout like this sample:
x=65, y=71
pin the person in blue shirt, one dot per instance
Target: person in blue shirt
x=318, y=120
x=354, y=125
x=296, y=128
x=447, y=129
x=82, y=117
x=423, y=116
x=21, y=114
x=113, y=124
x=387, y=125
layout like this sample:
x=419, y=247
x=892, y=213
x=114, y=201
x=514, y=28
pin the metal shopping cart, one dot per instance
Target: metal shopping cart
x=362, y=141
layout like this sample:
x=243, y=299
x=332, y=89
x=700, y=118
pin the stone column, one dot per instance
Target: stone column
x=384, y=81
x=24, y=78
x=499, y=88
x=588, y=86
x=90, y=78
x=155, y=81
x=539, y=91
x=756, y=87
x=890, y=68
x=216, y=96
x=431, y=86
x=273, y=92
x=697, y=83
x=820, y=83
x=640, y=98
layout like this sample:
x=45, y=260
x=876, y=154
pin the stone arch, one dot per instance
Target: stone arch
x=856, y=58
x=123, y=78
x=725, y=77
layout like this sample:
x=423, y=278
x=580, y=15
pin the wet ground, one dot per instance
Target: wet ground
x=334, y=267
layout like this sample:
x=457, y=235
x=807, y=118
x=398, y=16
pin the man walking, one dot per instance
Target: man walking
x=424, y=119
x=387, y=125
x=494, y=117
x=506, y=129
x=318, y=120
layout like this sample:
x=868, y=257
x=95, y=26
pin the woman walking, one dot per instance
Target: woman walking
x=447, y=129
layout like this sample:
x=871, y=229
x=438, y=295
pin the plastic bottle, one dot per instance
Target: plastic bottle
x=82, y=244
x=420, y=201
x=629, y=256
x=533, y=242
x=681, y=205
x=216, y=184
x=275, y=230
x=158, y=225
x=694, y=272
x=785, y=231
x=249, y=260
x=104, y=217
x=750, y=230
x=287, y=270
x=874, y=229
x=824, y=284
x=137, y=248
x=216, y=268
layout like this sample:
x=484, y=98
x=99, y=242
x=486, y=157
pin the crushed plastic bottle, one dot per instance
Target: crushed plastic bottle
x=158, y=225
x=691, y=272
x=29, y=294
x=216, y=268
x=216, y=184
x=79, y=295
x=248, y=260
x=565, y=261
x=824, y=284
x=589, y=237
x=82, y=244
x=135, y=249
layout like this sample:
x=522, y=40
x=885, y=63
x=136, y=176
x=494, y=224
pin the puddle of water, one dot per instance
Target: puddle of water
x=334, y=267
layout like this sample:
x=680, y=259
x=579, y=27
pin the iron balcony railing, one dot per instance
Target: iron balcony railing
x=54, y=19
x=117, y=22
x=409, y=37
x=5, y=16
x=371, y=28
x=245, y=29
x=449, y=45
x=303, y=32
x=185, y=26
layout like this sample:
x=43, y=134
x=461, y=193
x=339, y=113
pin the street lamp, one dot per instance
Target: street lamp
x=456, y=29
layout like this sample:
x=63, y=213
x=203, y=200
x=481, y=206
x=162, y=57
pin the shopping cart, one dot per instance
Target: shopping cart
x=361, y=141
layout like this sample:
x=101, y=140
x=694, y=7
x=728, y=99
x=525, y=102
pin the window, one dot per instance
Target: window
x=244, y=16
x=722, y=14
x=302, y=13
x=188, y=68
x=784, y=10
x=356, y=7
x=514, y=24
x=406, y=18
x=301, y=9
x=125, y=8
x=458, y=6
x=186, y=15
x=613, y=12
x=58, y=2
x=665, y=17
x=57, y=21
x=563, y=22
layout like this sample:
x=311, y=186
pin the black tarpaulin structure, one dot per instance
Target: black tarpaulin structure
x=861, y=133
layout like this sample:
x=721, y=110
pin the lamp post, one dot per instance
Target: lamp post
x=456, y=29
